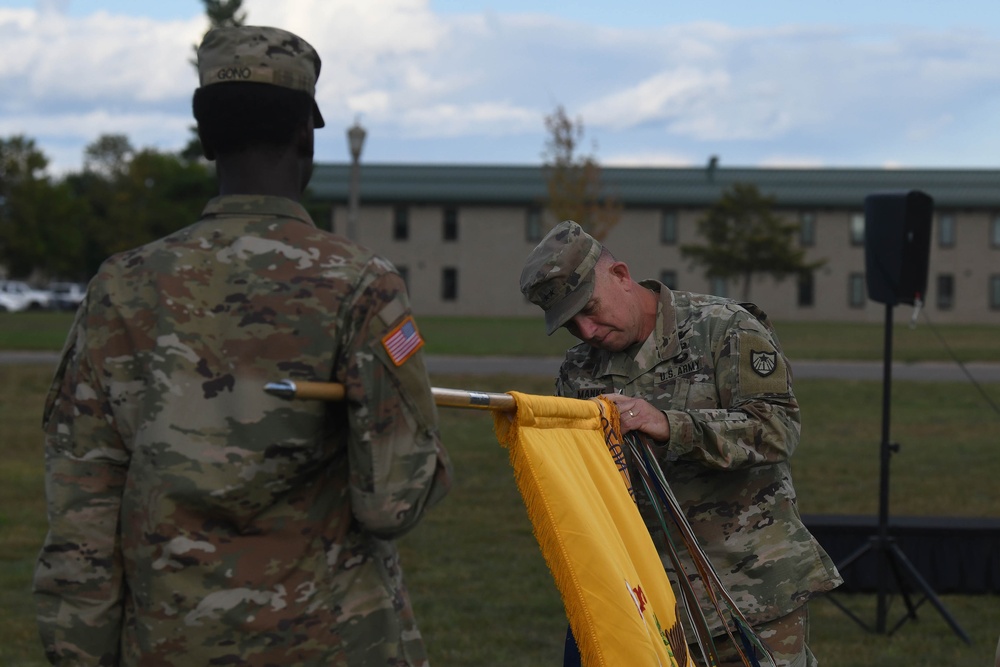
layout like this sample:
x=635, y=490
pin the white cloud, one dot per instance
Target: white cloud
x=667, y=95
x=374, y=53
x=340, y=27
x=51, y=58
x=452, y=120
x=650, y=95
x=163, y=130
x=775, y=84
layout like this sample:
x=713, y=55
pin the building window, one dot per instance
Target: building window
x=995, y=291
x=807, y=229
x=668, y=228
x=449, y=284
x=857, y=229
x=450, y=224
x=807, y=289
x=946, y=231
x=404, y=273
x=669, y=278
x=533, y=225
x=717, y=286
x=945, y=291
x=995, y=232
x=856, y=290
x=400, y=223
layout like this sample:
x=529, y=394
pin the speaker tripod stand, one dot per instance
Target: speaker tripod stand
x=882, y=545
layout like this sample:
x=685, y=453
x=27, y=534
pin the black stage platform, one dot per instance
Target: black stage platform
x=955, y=555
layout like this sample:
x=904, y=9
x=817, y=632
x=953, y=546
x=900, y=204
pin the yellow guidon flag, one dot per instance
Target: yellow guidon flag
x=616, y=593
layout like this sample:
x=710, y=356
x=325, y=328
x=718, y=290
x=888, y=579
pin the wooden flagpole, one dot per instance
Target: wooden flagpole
x=332, y=391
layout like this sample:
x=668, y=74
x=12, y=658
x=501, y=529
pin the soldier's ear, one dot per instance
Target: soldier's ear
x=305, y=139
x=620, y=271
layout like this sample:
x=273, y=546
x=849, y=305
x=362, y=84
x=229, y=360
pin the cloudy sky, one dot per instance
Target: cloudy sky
x=852, y=83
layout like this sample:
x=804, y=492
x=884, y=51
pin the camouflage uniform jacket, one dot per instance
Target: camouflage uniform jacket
x=715, y=370
x=195, y=519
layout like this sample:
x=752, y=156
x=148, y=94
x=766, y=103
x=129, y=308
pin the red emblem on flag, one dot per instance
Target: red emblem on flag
x=403, y=341
x=640, y=598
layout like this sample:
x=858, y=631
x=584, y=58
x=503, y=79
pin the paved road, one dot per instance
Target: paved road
x=548, y=366
x=841, y=370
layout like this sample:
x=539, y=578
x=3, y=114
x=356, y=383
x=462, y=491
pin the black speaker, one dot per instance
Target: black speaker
x=897, y=245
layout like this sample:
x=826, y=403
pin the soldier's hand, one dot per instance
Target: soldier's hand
x=638, y=415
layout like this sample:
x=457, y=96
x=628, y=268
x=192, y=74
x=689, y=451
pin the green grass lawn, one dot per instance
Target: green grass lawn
x=482, y=593
x=526, y=336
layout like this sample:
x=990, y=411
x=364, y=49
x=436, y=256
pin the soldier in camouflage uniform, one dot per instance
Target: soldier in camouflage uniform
x=195, y=519
x=704, y=377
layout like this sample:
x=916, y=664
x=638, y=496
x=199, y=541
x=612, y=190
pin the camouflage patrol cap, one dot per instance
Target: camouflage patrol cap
x=257, y=54
x=559, y=273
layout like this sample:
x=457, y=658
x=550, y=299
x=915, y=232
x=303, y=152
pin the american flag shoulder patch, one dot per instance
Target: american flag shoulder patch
x=403, y=341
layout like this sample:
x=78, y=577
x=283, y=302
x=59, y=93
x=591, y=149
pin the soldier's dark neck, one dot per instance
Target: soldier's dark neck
x=279, y=173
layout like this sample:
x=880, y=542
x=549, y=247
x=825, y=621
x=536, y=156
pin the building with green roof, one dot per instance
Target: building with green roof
x=459, y=233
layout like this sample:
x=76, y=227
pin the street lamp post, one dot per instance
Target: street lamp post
x=355, y=141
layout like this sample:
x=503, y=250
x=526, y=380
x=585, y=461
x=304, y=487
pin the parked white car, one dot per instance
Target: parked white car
x=18, y=296
x=67, y=296
x=9, y=303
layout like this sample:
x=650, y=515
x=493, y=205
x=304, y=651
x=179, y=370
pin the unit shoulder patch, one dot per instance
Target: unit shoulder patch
x=761, y=369
x=763, y=363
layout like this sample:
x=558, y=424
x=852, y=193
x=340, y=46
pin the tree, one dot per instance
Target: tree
x=39, y=220
x=744, y=237
x=108, y=155
x=134, y=197
x=20, y=160
x=121, y=199
x=225, y=13
x=574, y=181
